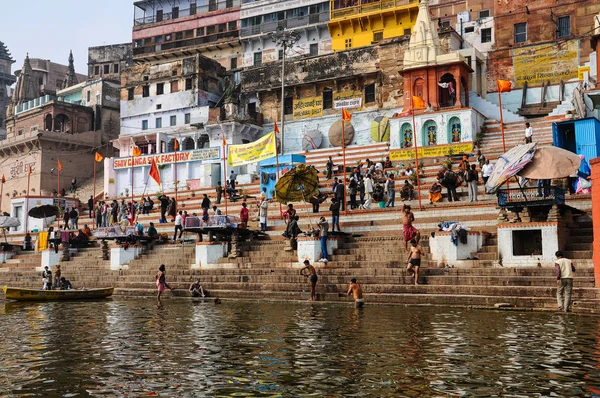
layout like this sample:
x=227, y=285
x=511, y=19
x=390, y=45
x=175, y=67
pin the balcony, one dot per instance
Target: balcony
x=41, y=101
x=290, y=23
x=173, y=47
x=362, y=8
x=141, y=7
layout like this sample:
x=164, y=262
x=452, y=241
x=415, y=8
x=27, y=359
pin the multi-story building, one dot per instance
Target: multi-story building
x=107, y=62
x=166, y=29
x=308, y=18
x=6, y=81
x=359, y=23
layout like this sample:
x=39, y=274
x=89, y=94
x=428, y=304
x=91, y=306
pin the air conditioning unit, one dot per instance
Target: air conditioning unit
x=464, y=16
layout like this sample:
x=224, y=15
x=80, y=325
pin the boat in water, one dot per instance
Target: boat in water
x=21, y=294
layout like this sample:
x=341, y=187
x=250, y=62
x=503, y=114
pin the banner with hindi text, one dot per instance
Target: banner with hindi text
x=430, y=151
x=264, y=148
x=546, y=62
x=308, y=107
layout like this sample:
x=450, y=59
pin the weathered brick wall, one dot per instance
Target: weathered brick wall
x=595, y=164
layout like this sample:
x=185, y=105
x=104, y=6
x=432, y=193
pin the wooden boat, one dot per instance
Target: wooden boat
x=21, y=294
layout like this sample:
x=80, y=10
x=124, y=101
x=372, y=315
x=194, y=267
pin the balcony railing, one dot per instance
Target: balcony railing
x=199, y=10
x=197, y=41
x=289, y=23
x=41, y=101
x=531, y=197
x=370, y=8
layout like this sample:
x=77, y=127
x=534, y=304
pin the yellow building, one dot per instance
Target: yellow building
x=358, y=23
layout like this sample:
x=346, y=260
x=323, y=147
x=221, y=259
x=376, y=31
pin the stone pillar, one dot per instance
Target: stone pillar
x=595, y=164
x=235, y=249
x=526, y=215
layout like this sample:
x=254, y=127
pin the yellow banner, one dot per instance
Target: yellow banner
x=256, y=151
x=581, y=71
x=308, y=107
x=538, y=64
x=430, y=151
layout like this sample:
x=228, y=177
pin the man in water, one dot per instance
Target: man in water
x=408, y=230
x=312, y=275
x=414, y=260
x=564, y=281
x=356, y=290
x=196, y=289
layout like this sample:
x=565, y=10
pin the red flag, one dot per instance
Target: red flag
x=276, y=128
x=176, y=145
x=3, y=179
x=59, y=165
x=136, y=151
x=347, y=116
x=154, y=172
x=504, y=86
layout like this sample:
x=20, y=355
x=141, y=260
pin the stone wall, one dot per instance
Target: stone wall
x=595, y=164
x=111, y=55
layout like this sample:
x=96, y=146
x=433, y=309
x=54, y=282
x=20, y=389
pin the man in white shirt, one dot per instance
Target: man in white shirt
x=178, y=225
x=486, y=171
x=528, y=133
x=564, y=280
x=369, y=192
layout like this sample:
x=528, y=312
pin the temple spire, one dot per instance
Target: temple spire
x=70, y=76
x=424, y=47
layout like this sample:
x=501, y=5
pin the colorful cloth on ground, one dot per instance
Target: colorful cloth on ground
x=42, y=241
x=410, y=232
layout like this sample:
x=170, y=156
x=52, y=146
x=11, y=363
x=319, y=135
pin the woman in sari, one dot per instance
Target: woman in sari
x=435, y=193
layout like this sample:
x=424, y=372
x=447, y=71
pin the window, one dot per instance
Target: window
x=348, y=43
x=232, y=25
x=158, y=107
x=138, y=43
x=179, y=36
x=327, y=98
x=521, y=32
x=189, y=33
x=168, y=37
x=158, y=122
x=233, y=64
x=188, y=84
x=486, y=35
x=222, y=27
x=211, y=29
x=468, y=60
x=88, y=96
x=212, y=5
x=470, y=29
x=314, y=49
x=200, y=31
x=144, y=125
x=370, y=93
x=159, y=16
x=145, y=78
x=258, y=58
x=377, y=37
x=288, y=106
x=564, y=26
x=445, y=24
x=175, y=12
x=106, y=69
x=407, y=32
x=228, y=3
x=160, y=89
x=187, y=118
x=116, y=68
x=158, y=39
x=193, y=8
x=174, y=120
x=130, y=94
x=484, y=14
x=97, y=70
x=174, y=86
x=146, y=91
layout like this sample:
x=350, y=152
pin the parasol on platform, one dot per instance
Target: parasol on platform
x=298, y=184
x=8, y=222
x=509, y=165
x=43, y=212
x=551, y=162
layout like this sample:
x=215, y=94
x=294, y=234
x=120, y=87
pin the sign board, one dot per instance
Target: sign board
x=430, y=151
x=581, y=72
x=264, y=148
x=167, y=158
x=546, y=62
x=308, y=107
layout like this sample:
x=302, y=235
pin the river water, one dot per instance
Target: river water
x=125, y=348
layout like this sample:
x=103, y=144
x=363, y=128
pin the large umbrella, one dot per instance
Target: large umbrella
x=8, y=222
x=43, y=212
x=509, y=165
x=298, y=184
x=551, y=162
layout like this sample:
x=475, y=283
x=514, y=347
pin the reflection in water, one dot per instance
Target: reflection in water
x=125, y=348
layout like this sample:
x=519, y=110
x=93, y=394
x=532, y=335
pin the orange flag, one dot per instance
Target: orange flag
x=347, y=116
x=176, y=144
x=3, y=179
x=154, y=172
x=99, y=157
x=418, y=102
x=136, y=151
x=59, y=165
x=28, y=171
x=276, y=128
x=224, y=141
x=504, y=86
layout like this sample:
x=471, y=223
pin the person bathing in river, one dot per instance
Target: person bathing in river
x=161, y=282
x=196, y=289
x=414, y=260
x=312, y=274
x=409, y=231
x=356, y=290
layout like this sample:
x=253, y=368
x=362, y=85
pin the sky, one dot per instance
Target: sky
x=49, y=29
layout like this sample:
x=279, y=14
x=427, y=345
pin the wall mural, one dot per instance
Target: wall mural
x=430, y=133
x=455, y=130
x=380, y=129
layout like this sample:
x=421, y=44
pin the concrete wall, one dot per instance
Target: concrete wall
x=115, y=54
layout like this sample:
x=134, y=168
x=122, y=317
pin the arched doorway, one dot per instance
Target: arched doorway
x=171, y=145
x=61, y=123
x=406, y=136
x=187, y=144
x=203, y=141
x=430, y=131
x=48, y=123
x=419, y=89
x=447, y=90
x=454, y=130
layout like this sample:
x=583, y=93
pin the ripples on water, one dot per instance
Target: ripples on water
x=126, y=348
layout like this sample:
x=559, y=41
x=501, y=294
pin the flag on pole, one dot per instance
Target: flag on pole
x=276, y=128
x=28, y=172
x=136, y=151
x=347, y=116
x=59, y=165
x=154, y=172
x=224, y=141
x=176, y=144
x=99, y=157
x=418, y=102
x=504, y=86
x=3, y=179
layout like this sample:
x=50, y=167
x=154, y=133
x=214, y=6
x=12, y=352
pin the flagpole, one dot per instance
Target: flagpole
x=58, y=192
x=176, y=146
x=225, y=171
x=501, y=121
x=93, y=212
x=415, y=144
x=344, y=162
x=27, y=198
x=277, y=165
x=2, y=192
x=132, y=160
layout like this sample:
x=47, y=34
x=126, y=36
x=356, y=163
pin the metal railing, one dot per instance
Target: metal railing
x=199, y=10
x=516, y=197
x=41, y=101
x=196, y=41
x=368, y=8
x=289, y=23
